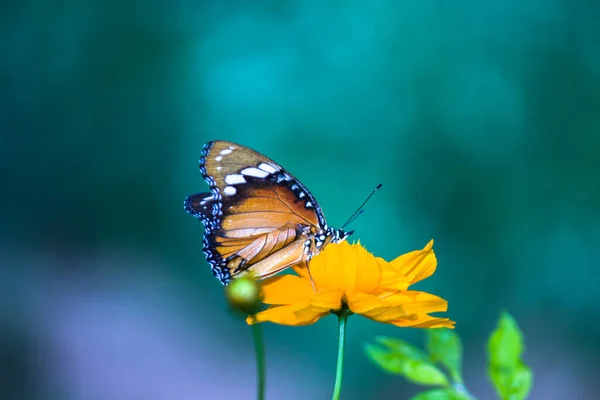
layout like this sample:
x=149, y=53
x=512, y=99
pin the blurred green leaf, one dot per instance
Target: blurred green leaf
x=511, y=377
x=435, y=394
x=441, y=394
x=417, y=370
x=505, y=345
x=402, y=347
x=512, y=383
x=444, y=346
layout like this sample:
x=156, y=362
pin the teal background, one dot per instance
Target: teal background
x=481, y=119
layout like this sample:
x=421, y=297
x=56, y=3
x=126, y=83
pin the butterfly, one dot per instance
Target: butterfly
x=258, y=218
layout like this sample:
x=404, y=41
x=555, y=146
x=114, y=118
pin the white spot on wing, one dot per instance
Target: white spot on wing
x=308, y=204
x=283, y=177
x=234, y=179
x=229, y=190
x=208, y=198
x=268, y=168
x=218, y=158
x=224, y=152
x=301, y=194
x=258, y=173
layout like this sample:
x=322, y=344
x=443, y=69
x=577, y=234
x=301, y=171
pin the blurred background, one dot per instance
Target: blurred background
x=481, y=119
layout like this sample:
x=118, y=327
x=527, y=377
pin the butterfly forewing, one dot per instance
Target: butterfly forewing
x=257, y=216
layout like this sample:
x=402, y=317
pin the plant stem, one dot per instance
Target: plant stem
x=259, y=349
x=342, y=318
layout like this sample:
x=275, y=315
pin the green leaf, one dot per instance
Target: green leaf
x=444, y=346
x=402, y=347
x=509, y=374
x=441, y=394
x=512, y=383
x=402, y=362
x=505, y=345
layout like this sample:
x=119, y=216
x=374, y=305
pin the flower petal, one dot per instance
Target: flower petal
x=390, y=278
x=362, y=303
x=375, y=308
x=350, y=268
x=301, y=270
x=287, y=289
x=423, y=321
x=307, y=316
x=416, y=265
x=330, y=299
x=418, y=302
x=288, y=315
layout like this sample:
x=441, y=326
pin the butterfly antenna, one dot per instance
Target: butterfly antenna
x=358, y=214
x=360, y=209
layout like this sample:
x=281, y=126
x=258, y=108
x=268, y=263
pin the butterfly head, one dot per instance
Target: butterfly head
x=338, y=235
x=322, y=238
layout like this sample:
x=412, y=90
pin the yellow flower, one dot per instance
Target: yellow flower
x=347, y=275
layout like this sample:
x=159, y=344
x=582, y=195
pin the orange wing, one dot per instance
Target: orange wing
x=257, y=217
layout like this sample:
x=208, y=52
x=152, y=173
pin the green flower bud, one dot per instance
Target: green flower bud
x=244, y=294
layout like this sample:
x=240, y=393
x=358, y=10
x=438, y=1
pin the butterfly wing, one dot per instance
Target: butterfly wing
x=257, y=216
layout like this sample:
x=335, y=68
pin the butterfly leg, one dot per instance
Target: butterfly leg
x=312, y=282
x=309, y=254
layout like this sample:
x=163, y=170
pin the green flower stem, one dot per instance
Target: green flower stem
x=259, y=349
x=342, y=318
